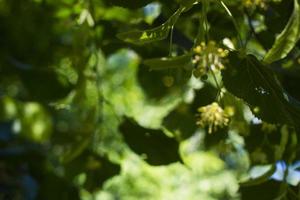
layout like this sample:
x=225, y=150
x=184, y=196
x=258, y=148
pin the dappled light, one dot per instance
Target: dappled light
x=149, y=100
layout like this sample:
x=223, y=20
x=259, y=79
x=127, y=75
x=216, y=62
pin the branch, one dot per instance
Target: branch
x=253, y=32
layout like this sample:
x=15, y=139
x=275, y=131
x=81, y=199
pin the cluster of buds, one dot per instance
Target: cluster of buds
x=254, y=3
x=258, y=3
x=268, y=128
x=212, y=116
x=208, y=57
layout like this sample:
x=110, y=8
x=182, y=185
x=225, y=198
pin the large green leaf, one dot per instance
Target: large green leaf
x=287, y=39
x=183, y=61
x=158, y=148
x=249, y=79
x=181, y=122
x=161, y=32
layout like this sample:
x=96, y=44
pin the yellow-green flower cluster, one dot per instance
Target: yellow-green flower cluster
x=212, y=116
x=208, y=57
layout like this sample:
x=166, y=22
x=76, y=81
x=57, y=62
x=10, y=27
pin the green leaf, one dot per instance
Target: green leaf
x=161, y=32
x=249, y=79
x=183, y=61
x=261, y=179
x=157, y=147
x=287, y=39
x=131, y=4
x=181, y=122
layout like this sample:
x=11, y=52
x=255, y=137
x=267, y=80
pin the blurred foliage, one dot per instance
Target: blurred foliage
x=154, y=100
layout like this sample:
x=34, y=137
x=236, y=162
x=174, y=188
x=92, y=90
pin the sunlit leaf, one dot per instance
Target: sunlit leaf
x=287, y=39
x=161, y=32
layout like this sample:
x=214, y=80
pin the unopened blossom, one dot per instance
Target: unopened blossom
x=208, y=57
x=258, y=3
x=212, y=116
x=254, y=3
x=268, y=128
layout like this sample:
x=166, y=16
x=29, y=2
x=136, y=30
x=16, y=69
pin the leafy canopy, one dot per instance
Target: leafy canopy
x=141, y=99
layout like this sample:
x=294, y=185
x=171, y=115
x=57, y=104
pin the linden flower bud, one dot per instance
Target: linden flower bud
x=268, y=128
x=255, y=3
x=212, y=116
x=208, y=57
x=198, y=49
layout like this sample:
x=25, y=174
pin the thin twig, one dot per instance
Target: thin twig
x=217, y=84
x=234, y=23
x=171, y=41
x=252, y=29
